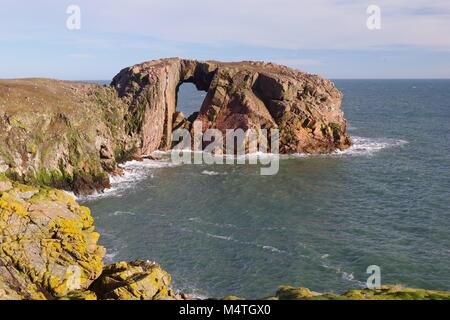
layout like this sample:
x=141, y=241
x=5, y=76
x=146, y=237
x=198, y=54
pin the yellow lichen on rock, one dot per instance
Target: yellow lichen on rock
x=48, y=246
x=137, y=280
x=386, y=292
x=291, y=293
x=49, y=250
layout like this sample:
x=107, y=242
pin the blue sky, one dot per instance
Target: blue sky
x=327, y=37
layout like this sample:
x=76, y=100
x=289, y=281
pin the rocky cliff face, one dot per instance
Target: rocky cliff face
x=48, y=246
x=49, y=250
x=64, y=134
x=72, y=135
x=247, y=95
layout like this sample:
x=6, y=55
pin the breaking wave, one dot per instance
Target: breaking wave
x=361, y=147
x=213, y=173
x=133, y=172
x=368, y=146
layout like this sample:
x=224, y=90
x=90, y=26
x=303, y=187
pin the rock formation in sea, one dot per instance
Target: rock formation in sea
x=241, y=95
x=72, y=135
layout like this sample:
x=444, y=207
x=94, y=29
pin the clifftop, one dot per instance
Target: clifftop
x=68, y=135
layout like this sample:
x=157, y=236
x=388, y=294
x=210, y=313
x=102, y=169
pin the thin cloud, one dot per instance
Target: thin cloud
x=282, y=24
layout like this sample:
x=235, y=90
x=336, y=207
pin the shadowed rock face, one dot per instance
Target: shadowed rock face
x=64, y=134
x=305, y=108
x=49, y=250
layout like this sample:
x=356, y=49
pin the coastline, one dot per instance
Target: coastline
x=49, y=247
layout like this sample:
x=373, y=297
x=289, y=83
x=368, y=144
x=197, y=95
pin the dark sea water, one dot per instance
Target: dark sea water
x=319, y=223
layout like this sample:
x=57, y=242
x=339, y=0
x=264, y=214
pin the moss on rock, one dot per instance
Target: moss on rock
x=60, y=134
x=386, y=292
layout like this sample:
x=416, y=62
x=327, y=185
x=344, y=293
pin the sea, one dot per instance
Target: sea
x=320, y=223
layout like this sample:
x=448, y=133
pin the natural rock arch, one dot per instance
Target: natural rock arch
x=305, y=108
x=72, y=135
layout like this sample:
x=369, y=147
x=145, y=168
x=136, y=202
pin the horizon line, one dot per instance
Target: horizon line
x=329, y=78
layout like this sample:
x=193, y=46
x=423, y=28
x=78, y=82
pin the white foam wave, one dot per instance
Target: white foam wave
x=213, y=173
x=347, y=276
x=361, y=147
x=122, y=213
x=133, y=172
x=368, y=146
x=229, y=238
x=148, y=163
x=110, y=255
x=273, y=249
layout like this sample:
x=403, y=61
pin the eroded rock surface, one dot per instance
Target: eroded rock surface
x=138, y=280
x=64, y=134
x=73, y=135
x=246, y=95
x=48, y=246
x=49, y=250
x=386, y=292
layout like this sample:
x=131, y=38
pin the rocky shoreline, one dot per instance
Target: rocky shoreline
x=57, y=135
x=72, y=136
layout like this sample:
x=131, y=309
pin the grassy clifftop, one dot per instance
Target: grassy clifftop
x=64, y=134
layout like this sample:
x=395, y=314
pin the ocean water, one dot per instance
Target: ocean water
x=319, y=223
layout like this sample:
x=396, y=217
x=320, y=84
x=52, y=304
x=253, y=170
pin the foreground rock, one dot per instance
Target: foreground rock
x=49, y=250
x=139, y=280
x=48, y=246
x=246, y=95
x=387, y=292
